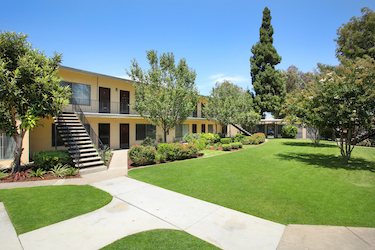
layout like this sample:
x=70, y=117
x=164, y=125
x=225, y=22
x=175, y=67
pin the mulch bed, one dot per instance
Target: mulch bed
x=24, y=176
x=131, y=164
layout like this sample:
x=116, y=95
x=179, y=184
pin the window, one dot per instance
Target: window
x=210, y=128
x=194, y=129
x=80, y=92
x=203, y=128
x=181, y=130
x=60, y=141
x=7, y=146
x=145, y=130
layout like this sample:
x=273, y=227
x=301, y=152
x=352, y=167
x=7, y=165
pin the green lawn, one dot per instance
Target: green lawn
x=36, y=207
x=286, y=181
x=160, y=239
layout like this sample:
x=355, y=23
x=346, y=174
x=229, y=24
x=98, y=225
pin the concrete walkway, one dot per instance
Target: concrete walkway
x=138, y=206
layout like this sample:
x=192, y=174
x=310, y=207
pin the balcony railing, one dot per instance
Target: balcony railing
x=108, y=107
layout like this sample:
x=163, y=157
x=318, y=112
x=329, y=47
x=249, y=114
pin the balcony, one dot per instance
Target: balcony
x=108, y=107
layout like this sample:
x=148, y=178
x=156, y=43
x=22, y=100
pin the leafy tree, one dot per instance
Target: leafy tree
x=165, y=94
x=356, y=38
x=343, y=101
x=229, y=103
x=295, y=79
x=29, y=88
x=268, y=83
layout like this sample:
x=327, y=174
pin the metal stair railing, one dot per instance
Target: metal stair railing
x=241, y=129
x=90, y=131
x=72, y=144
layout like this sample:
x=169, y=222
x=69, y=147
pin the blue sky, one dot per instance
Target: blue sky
x=215, y=37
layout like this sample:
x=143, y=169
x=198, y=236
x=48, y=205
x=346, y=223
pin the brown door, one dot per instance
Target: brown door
x=124, y=102
x=104, y=100
x=124, y=135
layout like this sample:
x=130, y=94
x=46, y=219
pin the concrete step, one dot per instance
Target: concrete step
x=83, y=150
x=76, y=138
x=89, y=159
x=91, y=170
x=91, y=164
x=90, y=154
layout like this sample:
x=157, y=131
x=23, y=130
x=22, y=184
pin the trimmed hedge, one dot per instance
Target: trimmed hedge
x=226, y=140
x=49, y=159
x=226, y=147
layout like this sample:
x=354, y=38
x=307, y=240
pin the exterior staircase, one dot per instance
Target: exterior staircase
x=241, y=129
x=80, y=147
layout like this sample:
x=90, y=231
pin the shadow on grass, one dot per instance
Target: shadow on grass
x=330, y=161
x=308, y=144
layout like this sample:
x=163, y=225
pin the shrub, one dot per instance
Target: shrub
x=38, y=173
x=71, y=171
x=225, y=140
x=142, y=155
x=200, y=144
x=182, y=151
x=49, y=159
x=217, y=145
x=148, y=142
x=257, y=138
x=245, y=140
x=208, y=146
x=210, y=138
x=234, y=145
x=226, y=147
x=59, y=170
x=240, y=145
x=217, y=137
x=106, y=154
x=289, y=131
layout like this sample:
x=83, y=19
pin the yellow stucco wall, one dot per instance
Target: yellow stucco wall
x=25, y=152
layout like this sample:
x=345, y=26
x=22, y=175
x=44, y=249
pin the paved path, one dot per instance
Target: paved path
x=138, y=206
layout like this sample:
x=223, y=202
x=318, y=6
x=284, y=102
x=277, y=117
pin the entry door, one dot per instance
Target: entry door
x=104, y=100
x=124, y=135
x=104, y=133
x=124, y=102
x=203, y=128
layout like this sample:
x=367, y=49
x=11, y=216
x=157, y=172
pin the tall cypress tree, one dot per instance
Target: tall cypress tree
x=269, y=84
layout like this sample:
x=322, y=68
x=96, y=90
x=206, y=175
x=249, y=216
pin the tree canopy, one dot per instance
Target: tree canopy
x=341, y=100
x=165, y=94
x=356, y=38
x=229, y=103
x=29, y=88
x=268, y=83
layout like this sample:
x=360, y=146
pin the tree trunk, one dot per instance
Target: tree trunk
x=165, y=136
x=18, y=152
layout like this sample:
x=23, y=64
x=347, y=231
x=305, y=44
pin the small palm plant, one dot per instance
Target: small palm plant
x=38, y=173
x=59, y=170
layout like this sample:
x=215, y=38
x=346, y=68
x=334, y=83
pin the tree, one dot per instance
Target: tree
x=229, y=103
x=165, y=94
x=268, y=83
x=356, y=38
x=29, y=88
x=295, y=80
x=343, y=100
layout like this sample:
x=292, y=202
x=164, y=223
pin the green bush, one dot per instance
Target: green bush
x=240, y=145
x=148, y=142
x=226, y=147
x=257, y=138
x=245, y=140
x=217, y=145
x=217, y=138
x=210, y=138
x=234, y=145
x=49, y=159
x=289, y=131
x=182, y=151
x=38, y=173
x=142, y=155
x=225, y=140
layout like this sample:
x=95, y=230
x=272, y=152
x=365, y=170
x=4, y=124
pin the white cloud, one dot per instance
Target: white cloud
x=222, y=77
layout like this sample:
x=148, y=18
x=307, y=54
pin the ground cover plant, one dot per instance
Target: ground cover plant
x=160, y=239
x=33, y=208
x=284, y=180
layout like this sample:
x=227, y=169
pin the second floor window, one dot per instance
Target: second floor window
x=80, y=92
